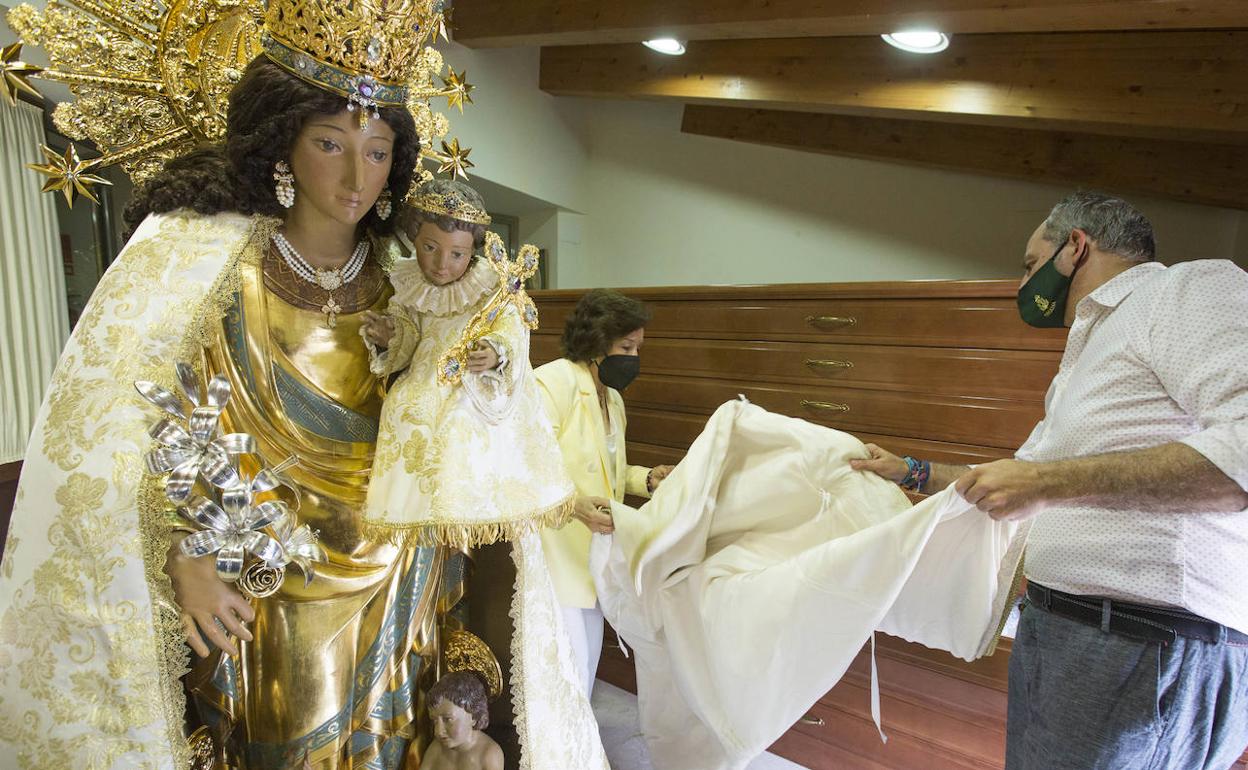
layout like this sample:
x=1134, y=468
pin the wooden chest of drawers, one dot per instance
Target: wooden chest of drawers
x=942, y=369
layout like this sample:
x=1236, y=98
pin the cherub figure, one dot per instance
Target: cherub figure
x=459, y=710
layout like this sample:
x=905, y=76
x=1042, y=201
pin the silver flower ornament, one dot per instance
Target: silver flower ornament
x=188, y=446
x=300, y=546
x=234, y=528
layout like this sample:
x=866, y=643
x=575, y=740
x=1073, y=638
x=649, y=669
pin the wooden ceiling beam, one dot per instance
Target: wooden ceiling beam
x=1209, y=174
x=496, y=23
x=1177, y=85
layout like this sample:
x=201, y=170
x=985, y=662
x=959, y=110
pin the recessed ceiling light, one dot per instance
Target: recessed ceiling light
x=918, y=40
x=668, y=45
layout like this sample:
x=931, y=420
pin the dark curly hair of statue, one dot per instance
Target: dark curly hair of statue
x=467, y=690
x=267, y=109
x=600, y=318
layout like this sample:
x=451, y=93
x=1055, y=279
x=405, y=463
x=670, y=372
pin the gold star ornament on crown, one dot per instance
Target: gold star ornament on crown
x=151, y=81
x=68, y=175
x=16, y=74
x=453, y=159
x=459, y=89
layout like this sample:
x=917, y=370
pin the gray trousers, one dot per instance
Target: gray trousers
x=1081, y=699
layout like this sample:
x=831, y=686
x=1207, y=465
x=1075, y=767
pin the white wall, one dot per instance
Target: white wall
x=619, y=197
x=661, y=207
x=529, y=147
x=670, y=208
x=520, y=137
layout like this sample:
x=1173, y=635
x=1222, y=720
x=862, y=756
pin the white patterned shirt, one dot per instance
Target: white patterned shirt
x=1155, y=355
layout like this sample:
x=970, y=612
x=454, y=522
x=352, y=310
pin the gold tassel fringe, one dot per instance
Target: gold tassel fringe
x=462, y=535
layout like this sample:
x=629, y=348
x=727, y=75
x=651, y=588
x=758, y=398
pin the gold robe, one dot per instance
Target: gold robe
x=335, y=673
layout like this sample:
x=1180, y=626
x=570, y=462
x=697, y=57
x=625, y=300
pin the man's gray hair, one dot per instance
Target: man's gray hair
x=1113, y=224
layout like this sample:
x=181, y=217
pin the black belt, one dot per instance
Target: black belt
x=1160, y=624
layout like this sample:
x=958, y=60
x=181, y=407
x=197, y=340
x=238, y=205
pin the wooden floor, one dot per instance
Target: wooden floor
x=938, y=712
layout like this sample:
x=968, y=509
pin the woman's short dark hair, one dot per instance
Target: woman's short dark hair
x=267, y=109
x=410, y=217
x=599, y=319
x=467, y=690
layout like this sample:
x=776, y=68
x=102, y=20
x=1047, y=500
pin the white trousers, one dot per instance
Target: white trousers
x=584, y=626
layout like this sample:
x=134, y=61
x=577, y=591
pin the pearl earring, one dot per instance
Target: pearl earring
x=285, y=184
x=383, y=204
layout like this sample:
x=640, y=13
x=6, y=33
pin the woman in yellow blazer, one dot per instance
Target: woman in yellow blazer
x=601, y=342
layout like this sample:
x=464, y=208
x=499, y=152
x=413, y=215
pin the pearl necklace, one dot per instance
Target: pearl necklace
x=329, y=280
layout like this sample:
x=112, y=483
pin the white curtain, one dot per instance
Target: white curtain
x=34, y=323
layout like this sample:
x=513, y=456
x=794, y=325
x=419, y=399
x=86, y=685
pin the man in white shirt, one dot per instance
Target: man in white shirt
x=1132, y=651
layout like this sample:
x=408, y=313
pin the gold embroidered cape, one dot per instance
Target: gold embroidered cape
x=90, y=642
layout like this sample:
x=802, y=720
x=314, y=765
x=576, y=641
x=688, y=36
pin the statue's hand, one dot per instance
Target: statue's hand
x=482, y=358
x=210, y=607
x=378, y=328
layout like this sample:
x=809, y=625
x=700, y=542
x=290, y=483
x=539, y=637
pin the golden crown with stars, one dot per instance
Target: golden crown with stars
x=152, y=80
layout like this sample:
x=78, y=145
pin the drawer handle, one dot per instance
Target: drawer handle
x=824, y=406
x=830, y=322
x=809, y=720
x=822, y=365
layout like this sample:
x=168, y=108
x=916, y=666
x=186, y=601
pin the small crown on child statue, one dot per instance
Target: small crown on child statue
x=448, y=204
x=512, y=273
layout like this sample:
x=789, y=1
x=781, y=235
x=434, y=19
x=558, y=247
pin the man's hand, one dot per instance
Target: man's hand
x=882, y=463
x=1007, y=489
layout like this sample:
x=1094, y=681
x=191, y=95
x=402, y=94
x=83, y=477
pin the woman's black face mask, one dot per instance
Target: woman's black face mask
x=619, y=371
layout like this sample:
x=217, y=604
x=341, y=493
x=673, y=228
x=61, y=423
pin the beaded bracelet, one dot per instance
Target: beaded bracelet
x=917, y=473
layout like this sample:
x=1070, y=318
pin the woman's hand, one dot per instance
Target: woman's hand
x=882, y=463
x=482, y=358
x=204, y=600
x=595, y=513
x=378, y=328
x=656, y=476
